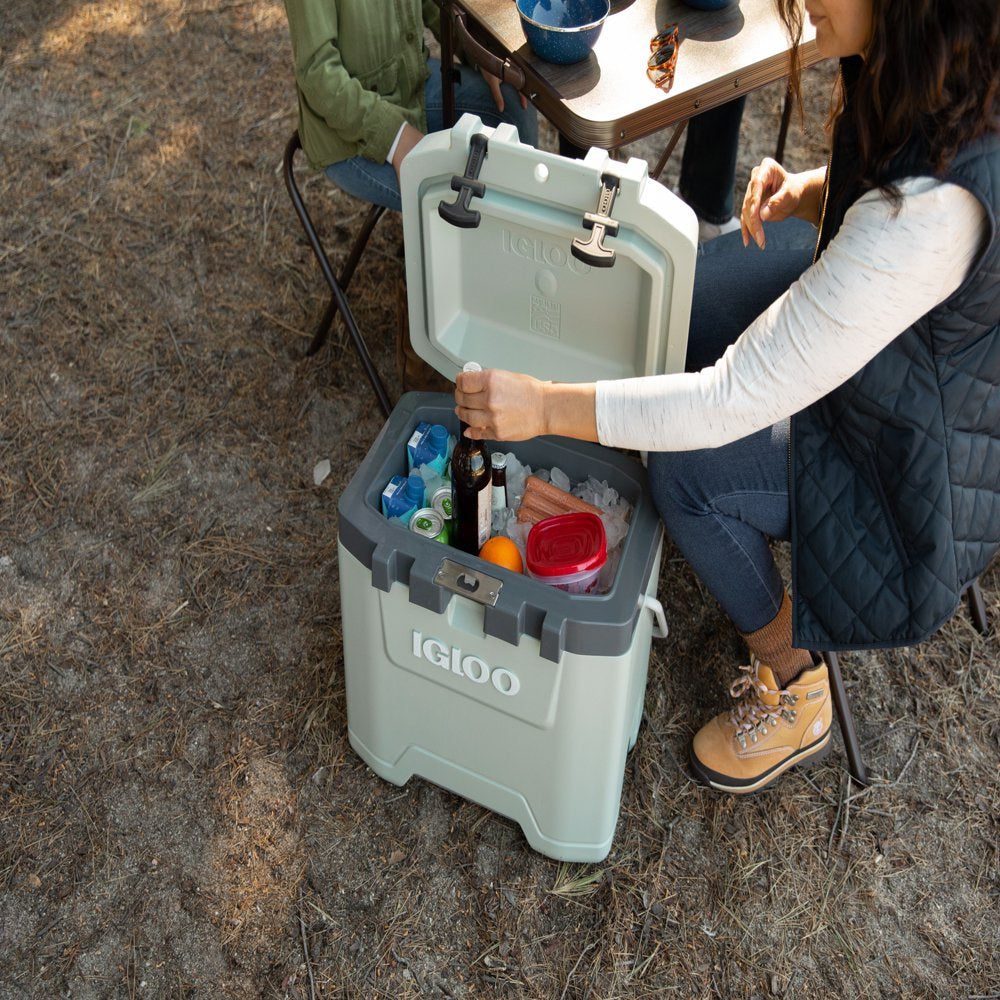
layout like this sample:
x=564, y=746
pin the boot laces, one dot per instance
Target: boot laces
x=753, y=715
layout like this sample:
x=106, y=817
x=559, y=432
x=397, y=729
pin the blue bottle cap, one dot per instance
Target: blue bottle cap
x=415, y=486
x=439, y=438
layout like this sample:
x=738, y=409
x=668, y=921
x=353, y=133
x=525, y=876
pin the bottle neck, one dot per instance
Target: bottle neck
x=462, y=428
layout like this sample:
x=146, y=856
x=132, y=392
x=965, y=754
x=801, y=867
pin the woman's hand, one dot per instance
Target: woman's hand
x=500, y=405
x=507, y=406
x=493, y=82
x=774, y=194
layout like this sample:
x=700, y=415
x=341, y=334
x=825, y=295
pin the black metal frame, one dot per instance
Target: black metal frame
x=977, y=611
x=338, y=286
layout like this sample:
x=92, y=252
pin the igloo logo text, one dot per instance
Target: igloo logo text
x=466, y=665
x=536, y=250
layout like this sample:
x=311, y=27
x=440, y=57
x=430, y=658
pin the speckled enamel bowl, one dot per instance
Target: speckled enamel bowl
x=709, y=4
x=562, y=31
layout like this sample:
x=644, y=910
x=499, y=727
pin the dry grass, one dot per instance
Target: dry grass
x=181, y=813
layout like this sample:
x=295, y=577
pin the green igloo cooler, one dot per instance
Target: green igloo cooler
x=505, y=690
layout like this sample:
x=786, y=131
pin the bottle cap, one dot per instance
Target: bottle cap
x=472, y=366
x=498, y=460
x=415, y=485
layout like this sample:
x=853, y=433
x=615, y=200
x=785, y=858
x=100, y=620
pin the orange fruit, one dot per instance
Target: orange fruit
x=503, y=552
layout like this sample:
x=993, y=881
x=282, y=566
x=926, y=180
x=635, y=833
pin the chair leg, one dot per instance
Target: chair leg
x=855, y=763
x=338, y=299
x=977, y=607
x=358, y=248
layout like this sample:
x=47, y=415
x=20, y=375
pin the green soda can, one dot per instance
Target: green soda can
x=428, y=523
x=441, y=502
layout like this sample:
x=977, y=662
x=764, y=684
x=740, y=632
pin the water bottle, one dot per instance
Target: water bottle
x=402, y=496
x=428, y=445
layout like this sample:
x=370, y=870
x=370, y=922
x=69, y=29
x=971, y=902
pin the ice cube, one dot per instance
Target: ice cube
x=321, y=470
x=559, y=478
x=615, y=528
x=597, y=492
x=517, y=532
x=502, y=519
x=433, y=480
x=585, y=491
x=516, y=475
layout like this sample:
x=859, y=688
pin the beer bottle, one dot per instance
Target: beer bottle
x=499, y=460
x=471, y=487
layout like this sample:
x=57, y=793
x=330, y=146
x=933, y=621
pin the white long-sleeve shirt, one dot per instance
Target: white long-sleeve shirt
x=880, y=273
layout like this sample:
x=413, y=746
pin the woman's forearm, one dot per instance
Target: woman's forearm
x=570, y=409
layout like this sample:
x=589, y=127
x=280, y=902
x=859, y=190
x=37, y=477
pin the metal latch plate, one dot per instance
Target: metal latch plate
x=469, y=583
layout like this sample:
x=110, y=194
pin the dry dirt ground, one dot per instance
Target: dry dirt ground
x=181, y=815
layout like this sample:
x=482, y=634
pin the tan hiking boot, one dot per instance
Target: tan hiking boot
x=770, y=731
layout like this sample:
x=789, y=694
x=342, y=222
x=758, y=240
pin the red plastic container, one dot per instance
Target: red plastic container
x=567, y=551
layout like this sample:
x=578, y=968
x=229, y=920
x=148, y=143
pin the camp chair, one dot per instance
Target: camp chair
x=338, y=286
x=977, y=611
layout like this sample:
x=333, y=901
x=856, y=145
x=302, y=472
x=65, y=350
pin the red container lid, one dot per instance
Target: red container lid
x=565, y=544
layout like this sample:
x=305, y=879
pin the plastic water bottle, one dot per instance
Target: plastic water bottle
x=403, y=496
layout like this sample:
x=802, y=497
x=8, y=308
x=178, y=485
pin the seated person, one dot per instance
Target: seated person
x=368, y=91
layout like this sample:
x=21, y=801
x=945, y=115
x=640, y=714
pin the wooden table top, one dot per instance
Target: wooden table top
x=607, y=100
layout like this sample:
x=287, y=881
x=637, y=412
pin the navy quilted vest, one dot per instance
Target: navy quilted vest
x=896, y=474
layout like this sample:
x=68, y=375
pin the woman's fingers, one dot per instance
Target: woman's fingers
x=500, y=405
x=493, y=83
x=766, y=179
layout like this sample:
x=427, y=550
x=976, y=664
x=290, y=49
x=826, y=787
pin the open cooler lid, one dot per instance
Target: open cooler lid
x=573, y=270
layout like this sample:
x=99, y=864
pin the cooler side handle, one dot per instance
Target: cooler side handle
x=660, y=628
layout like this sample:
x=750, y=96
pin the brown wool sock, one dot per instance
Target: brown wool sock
x=772, y=645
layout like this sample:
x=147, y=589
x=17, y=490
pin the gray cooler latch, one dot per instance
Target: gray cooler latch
x=592, y=250
x=468, y=186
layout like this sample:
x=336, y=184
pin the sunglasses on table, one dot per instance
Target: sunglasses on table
x=663, y=61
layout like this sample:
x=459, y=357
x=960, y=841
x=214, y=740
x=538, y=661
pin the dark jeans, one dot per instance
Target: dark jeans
x=708, y=167
x=721, y=506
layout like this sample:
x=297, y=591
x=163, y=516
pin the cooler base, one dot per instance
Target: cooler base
x=551, y=757
x=417, y=762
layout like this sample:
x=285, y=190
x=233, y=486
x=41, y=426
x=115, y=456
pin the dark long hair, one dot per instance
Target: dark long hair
x=932, y=69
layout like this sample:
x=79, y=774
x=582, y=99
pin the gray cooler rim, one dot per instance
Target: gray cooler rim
x=600, y=625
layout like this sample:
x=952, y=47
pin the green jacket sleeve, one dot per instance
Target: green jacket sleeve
x=352, y=105
x=432, y=17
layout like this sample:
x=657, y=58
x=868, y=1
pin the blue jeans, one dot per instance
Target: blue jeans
x=708, y=167
x=376, y=182
x=721, y=506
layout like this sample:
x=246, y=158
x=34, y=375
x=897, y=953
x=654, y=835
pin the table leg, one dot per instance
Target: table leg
x=570, y=149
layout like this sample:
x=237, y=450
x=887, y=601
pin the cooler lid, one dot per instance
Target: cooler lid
x=518, y=258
